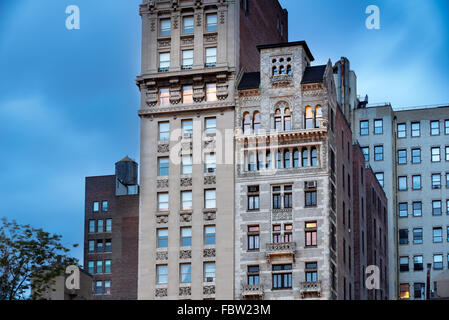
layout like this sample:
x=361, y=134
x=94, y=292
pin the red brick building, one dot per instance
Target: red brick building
x=111, y=231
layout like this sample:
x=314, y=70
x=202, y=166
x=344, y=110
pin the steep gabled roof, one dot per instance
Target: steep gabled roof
x=314, y=74
x=250, y=80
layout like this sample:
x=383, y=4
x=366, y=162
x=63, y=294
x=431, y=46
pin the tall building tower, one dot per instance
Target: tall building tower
x=193, y=53
x=111, y=232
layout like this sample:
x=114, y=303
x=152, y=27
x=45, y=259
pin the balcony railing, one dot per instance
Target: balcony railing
x=286, y=249
x=252, y=290
x=310, y=289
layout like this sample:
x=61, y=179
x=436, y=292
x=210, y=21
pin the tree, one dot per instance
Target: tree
x=30, y=259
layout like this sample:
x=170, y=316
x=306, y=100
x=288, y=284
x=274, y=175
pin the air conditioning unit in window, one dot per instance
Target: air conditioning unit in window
x=209, y=279
x=311, y=185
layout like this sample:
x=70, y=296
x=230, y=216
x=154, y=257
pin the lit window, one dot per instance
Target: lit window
x=164, y=96
x=162, y=200
x=187, y=94
x=162, y=238
x=164, y=164
x=187, y=59
x=186, y=273
x=96, y=207
x=186, y=198
x=165, y=27
x=211, y=22
x=211, y=92
x=210, y=199
x=162, y=274
x=188, y=25
x=164, y=62
x=311, y=234
x=309, y=118
x=211, y=57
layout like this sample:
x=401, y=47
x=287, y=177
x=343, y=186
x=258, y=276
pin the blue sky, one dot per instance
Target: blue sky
x=68, y=99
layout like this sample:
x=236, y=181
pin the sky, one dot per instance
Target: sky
x=68, y=98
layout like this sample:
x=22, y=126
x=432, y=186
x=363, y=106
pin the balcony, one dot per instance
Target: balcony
x=310, y=289
x=252, y=291
x=281, y=252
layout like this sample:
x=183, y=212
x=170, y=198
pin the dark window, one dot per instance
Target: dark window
x=403, y=236
x=253, y=275
x=417, y=236
x=282, y=276
x=404, y=264
x=253, y=238
x=311, y=198
x=418, y=264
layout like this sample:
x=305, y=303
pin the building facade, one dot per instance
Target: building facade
x=409, y=152
x=111, y=232
x=193, y=52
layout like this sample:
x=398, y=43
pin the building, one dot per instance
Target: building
x=58, y=290
x=409, y=153
x=111, y=232
x=193, y=54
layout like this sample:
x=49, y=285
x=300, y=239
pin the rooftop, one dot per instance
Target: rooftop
x=314, y=74
x=288, y=44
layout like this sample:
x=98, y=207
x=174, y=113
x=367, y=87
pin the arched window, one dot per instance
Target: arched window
x=305, y=157
x=314, y=157
x=256, y=121
x=275, y=71
x=289, y=69
x=246, y=123
x=281, y=70
x=318, y=116
x=287, y=119
x=296, y=158
x=268, y=162
x=286, y=159
x=309, y=117
x=278, y=120
x=252, y=162
x=279, y=160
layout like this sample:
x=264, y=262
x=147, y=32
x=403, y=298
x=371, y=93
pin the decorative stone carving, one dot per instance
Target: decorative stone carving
x=162, y=184
x=153, y=25
x=210, y=180
x=185, y=217
x=187, y=41
x=222, y=91
x=186, y=182
x=209, y=290
x=199, y=19
x=222, y=17
x=209, y=253
x=163, y=148
x=185, y=254
x=161, y=219
x=210, y=215
x=151, y=98
x=162, y=255
x=282, y=215
x=161, y=292
x=185, y=291
x=210, y=38
x=164, y=43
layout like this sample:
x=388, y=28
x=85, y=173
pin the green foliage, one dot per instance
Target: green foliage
x=30, y=259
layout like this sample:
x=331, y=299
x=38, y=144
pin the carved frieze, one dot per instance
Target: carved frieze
x=161, y=184
x=164, y=43
x=185, y=217
x=161, y=292
x=162, y=255
x=161, y=219
x=210, y=38
x=186, y=182
x=187, y=41
x=209, y=290
x=282, y=215
x=185, y=254
x=210, y=215
x=208, y=180
x=185, y=291
x=209, y=253
x=163, y=148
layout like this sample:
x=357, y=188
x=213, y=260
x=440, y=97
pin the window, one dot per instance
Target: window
x=364, y=128
x=286, y=159
x=404, y=289
x=186, y=200
x=417, y=236
x=256, y=122
x=209, y=235
x=185, y=271
x=209, y=272
x=311, y=272
x=402, y=156
x=447, y=153
x=91, y=226
x=438, y=262
x=162, y=201
x=211, y=22
x=188, y=25
x=164, y=131
x=378, y=153
x=107, y=287
x=210, y=199
x=98, y=287
x=186, y=237
x=365, y=151
x=311, y=234
x=211, y=126
x=187, y=127
x=419, y=291
x=438, y=235
x=210, y=163
x=108, y=246
x=417, y=209
x=446, y=126
x=416, y=129
x=187, y=59
x=416, y=156
x=402, y=130
x=447, y=184
x=211, y=92
x=314, y=157
x=282, y=276
x=165, y=27
x=91, y=246
x=108, y=225
x=434, y=128
x=100, y=246
x=277, y=197
x=164, y=96
x=309, y=118
x=380, y=178
x=378, y=126
x=107, y=266
x=253, y=275
x=436, y=154
x=436, y=208
x=186, y=165
x=403, y=210
x=100, y=226
x=99, y=269
x=187, y=94
x=418, y=264
x=96, y=206
x=253, y=238
x=163, y=167
x=310, y=198
x=253, y=198
x=416, y=182
x=436, y=181
x=164, y=62
x=162, y=274
x=403, y=236
x=211, y=57
x=402, y=183
x=91, y=267
x=404, y=264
